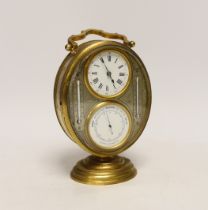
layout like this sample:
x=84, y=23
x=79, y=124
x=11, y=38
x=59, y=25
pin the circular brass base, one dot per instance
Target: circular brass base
x=103, y=171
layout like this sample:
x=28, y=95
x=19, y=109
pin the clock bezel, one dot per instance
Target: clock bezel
x=86, y=69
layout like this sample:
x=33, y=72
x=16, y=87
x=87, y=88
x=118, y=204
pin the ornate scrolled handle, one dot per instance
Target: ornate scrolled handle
x=72, y=45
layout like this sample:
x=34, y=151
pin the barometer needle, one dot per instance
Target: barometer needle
x=109, y=124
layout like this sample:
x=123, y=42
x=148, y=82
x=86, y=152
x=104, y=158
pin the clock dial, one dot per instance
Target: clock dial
x=109, y=125
x=108, y=73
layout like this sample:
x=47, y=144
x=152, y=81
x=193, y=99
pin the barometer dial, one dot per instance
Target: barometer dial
x=109, y=125
x=108, y=74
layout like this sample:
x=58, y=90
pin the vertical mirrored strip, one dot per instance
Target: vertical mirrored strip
x=137, y=97
x=78, y=103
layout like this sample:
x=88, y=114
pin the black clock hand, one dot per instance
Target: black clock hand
x=109, y=74
x=112, y=80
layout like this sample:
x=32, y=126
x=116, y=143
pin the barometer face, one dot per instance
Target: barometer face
x=108, y=74
x=109, y=125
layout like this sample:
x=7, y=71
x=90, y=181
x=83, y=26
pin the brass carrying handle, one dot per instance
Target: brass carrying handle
x=72, y=45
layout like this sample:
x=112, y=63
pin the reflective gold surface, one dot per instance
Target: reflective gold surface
x=93, y=170
x=103, y=171
x=72, y=45
x=61, y=93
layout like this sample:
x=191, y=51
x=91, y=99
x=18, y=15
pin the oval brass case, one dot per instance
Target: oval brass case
x=62, y=92
x=135, y=97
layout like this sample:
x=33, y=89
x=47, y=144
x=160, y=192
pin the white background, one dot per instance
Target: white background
x=171, y=155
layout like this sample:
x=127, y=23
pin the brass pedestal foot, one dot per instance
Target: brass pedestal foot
x=103, y=171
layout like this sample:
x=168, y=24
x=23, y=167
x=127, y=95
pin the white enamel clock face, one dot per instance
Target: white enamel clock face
x=109, y=73
x=109, y=125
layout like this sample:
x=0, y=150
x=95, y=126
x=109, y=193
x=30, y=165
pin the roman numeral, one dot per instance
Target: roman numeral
x=100, y=85
x=95, y=80
x=109, y=58
x=116, y=60
x=119, y=81
x=120, y=66
x=96, y=65
x=101, y=59
x=121, y=74
x=107, y=88
x=94, y=73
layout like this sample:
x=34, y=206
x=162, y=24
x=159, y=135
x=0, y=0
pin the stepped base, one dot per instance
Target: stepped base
x=103, y=171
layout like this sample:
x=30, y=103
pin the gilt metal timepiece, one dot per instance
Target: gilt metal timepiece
x=102, y=97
